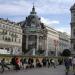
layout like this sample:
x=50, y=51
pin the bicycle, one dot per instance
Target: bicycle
x=1, y=68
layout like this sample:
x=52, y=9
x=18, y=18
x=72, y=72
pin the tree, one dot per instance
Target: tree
x=66, y=52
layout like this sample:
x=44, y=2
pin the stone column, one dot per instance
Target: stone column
x=46, y=46
x=37, y=47
x=33, y=52
x=43, y=43
x=26, y=41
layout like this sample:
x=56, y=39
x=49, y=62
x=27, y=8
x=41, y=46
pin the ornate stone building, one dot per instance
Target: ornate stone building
x=34, y=33
x=72, y=9
x=10, y=36
x=31, y=36
x=37, y=36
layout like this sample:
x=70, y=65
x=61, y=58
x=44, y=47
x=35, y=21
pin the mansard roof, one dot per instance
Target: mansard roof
x=32, y=19
x=72, y=7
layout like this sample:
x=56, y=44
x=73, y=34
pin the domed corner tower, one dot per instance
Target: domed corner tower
x=34, y=33
x=72, y=9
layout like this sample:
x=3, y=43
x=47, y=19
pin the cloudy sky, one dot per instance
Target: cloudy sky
x=54, y=13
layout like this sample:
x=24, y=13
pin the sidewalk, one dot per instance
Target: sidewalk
x=59, y=70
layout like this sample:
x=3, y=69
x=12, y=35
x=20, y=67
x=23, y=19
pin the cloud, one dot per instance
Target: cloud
x=53, y=6
x=56, y=25
x=17, y=19
x=11, y=10
x=21, y=7
x=64, y=29
x=17, y=10
x=49, y=22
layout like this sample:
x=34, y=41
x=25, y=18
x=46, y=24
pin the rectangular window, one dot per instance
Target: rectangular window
x=3, y=37
x=19, y=40
x=0, y=25
x=74, y=47
x=15, y=39
x=12, y=39
x=74, y=32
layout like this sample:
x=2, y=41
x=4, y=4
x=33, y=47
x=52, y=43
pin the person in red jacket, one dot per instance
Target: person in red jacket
x=17, y=63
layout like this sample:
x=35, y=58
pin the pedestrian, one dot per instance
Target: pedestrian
x=73, y=63
x=17, y=63
x=21, y=63
x=70, y=61
x=53, y=63
x=44, y=62
x=25, y=63
x=48, y=62
x=38, y=64
x=13, y=62
x=60, y=61
x=4, y=65
x=67, y=65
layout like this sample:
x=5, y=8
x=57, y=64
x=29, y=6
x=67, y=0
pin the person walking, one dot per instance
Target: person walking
x=67, y=65
x=53, y=63
x=13, y=62
x=4, y=65
x=73, y=64
x=17, y=63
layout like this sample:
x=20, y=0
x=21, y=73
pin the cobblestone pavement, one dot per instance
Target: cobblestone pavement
x=59, y=70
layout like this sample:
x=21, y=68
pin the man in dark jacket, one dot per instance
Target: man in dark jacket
x=67, y=65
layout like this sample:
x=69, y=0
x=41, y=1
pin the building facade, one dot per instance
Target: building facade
x=34, y=37
x=64, y=41
x=38, y=36
x=72, y=9
x=52, y=41
x=10, y=36
x=57, y=41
